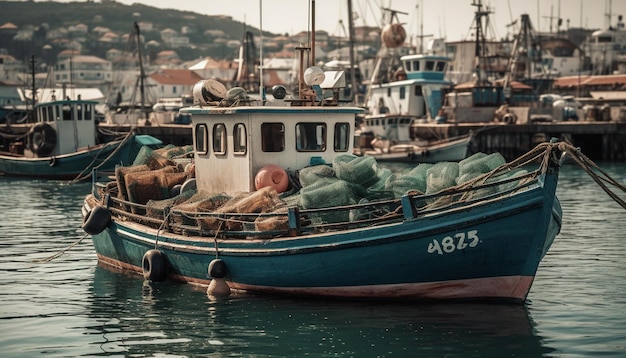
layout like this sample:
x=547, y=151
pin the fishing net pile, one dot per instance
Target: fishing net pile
x=153, y=176
x=155, y=180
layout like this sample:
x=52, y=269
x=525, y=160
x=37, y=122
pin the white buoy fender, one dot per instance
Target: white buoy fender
x=272, y=175
x=154, y=265
x=96, y=220
x=218, y=288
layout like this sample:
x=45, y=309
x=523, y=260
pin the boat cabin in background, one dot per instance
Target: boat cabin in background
x=62, y=127
x=416, y=91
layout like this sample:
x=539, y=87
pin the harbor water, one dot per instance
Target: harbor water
x=69, y=306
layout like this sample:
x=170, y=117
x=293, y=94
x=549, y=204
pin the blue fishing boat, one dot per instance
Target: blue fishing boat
x=403, y=91
x=62, y=143
x=273, y=201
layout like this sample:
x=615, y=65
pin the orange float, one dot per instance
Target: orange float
x=272, y=175
x=393, y=35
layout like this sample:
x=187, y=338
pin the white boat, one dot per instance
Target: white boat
x=403, y=90
x=421, y=151
x=396, y=106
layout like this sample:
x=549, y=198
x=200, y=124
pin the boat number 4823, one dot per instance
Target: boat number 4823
x=458, y=241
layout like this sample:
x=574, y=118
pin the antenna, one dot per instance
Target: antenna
x=261, y=89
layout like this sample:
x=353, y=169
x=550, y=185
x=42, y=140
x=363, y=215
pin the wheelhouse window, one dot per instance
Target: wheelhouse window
x=48, y=113
x=219, y=139
x=407, y=66
x=66, y=112
x=272, y=137
x=402, y=92
x=430, y=65
x=311, y=137
x=441, y=66
x=201, y=139
x=342, y=137
x=88, y=112
x=240, y=139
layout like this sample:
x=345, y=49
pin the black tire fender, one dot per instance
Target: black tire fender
x=154, y=265
x=96, y=220
x=43, y=139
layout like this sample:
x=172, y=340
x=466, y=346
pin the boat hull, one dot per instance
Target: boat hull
x=70, y=166
x=449, y=150
x=489, y=250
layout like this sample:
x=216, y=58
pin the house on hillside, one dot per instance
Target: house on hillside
x=109, y=38
x=168, y=83
x=172, y=39
x=221, y=70
x=167, y=58
x=8, y=30
x=87, y=71
x=10, y=68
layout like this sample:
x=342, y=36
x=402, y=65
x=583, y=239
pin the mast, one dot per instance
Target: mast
x=312, y=60
x=352, y=60
x=261, y=85
x=480, y=41
x=142, y=74
x=33, y=87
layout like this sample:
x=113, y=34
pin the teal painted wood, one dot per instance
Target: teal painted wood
x=499, y=239
x=69, y=166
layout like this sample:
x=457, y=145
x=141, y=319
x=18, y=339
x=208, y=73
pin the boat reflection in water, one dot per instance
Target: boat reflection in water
x=182, y=319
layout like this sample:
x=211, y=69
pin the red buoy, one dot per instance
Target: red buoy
x=272, y=175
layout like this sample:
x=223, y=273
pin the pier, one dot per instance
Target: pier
x=600, y=141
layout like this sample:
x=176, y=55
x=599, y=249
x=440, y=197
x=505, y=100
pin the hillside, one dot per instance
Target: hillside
x=46, y=16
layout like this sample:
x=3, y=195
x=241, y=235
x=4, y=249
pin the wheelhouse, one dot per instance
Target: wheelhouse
x=232, y=144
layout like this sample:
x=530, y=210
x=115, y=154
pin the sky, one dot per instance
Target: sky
x=449, y=19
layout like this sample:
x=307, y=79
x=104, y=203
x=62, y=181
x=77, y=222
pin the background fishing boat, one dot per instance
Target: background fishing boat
x=62, y=143
x=419, y=151
x=404, y=90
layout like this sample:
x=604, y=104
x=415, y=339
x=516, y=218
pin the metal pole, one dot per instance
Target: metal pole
x=354, y=91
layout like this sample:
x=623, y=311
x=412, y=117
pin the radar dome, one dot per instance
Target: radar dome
x=207, y=91
x=313, y=76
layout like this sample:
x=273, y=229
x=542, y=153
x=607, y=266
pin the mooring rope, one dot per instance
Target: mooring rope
x=162, y=226
x=588, y=166
x=58, y=254
x=82, y=175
